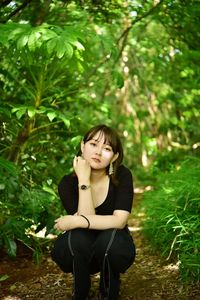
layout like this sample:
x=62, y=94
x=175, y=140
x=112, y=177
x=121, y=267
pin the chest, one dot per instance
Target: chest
x=100, y=192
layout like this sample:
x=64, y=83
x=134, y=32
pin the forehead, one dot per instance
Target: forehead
x=100, y=137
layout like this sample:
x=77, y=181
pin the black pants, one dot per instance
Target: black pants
x=84, y=252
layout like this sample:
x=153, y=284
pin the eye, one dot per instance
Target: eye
x=107, y=148
x=93, y=144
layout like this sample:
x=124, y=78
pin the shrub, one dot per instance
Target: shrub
x=24, y=210
x=172, y=212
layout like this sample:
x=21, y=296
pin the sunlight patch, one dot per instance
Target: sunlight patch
x=11, y=298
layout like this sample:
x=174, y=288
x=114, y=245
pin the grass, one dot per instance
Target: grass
x=172, y=211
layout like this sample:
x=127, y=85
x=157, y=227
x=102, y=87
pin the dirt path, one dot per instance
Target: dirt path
x=149, y=278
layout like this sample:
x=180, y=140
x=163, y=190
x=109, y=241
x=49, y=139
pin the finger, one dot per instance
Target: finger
x=56, y=226
x=75, y=161
x=80, y=158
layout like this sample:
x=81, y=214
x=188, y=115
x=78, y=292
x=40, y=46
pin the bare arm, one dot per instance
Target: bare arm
x=83, y=171
x=117, y=220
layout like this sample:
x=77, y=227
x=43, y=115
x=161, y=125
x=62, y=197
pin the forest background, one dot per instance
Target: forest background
x=68, y=65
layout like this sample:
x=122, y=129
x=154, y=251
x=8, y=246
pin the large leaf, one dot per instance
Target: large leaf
x=11, y=246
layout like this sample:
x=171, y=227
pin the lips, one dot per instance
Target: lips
x=97, y=160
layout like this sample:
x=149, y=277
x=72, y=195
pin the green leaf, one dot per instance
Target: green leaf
x=65, y=120
x=60, y=48
x=78, y=45
x=11, y=246
x=22, y=41
x=46, y=33
x=51, y=115
x=4, y=277
x=33, y=40
x=31, y=112
x=20, y=113
x=49, y=190
x=19, y=31
x=51, y=44
x=68, y=49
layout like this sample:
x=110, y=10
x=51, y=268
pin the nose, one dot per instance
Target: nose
x=99, y=150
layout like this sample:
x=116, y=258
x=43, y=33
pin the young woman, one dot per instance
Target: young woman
x=98, y=199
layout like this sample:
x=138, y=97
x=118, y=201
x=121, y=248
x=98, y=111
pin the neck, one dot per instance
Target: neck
x=97, y=175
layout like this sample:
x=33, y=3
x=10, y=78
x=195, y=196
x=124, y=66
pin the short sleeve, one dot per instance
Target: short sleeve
x=124, y=190
x=68, y=192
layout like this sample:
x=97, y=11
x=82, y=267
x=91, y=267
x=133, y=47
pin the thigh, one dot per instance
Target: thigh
x=81, y=241
x=122, y=251
x=73, y=245
x=118, y=246
x=61, y=253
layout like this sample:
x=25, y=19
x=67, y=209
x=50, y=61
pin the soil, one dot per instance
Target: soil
x=149, y=278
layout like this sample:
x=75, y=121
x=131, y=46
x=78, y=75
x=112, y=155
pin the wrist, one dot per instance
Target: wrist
x=84, y=187
x=83, y=181
x=84, y=222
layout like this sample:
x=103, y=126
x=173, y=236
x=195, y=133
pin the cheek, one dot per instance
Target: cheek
x=107, y=155
x=86, y=151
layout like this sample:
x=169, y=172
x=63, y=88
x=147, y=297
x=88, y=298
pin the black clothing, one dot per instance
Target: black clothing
x=84, y=252
x=120, y=196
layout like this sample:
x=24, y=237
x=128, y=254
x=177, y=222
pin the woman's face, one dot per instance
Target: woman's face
x=97, y=153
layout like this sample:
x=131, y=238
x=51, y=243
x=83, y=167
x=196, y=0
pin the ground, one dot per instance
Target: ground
x=149, y=278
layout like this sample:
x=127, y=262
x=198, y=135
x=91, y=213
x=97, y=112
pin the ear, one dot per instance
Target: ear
x=114, y=157
x=82, y=146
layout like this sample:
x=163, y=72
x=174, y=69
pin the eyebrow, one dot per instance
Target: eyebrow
x=107, y=144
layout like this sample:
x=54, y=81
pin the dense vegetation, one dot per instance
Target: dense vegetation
x=67, y=65
x=172, y=223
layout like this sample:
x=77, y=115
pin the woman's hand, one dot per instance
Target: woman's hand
x=66, y=223
x=82, y=169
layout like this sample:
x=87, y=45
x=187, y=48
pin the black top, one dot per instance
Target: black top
x=120, y=195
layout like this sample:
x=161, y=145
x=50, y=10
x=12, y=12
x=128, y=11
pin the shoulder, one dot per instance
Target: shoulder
x=67, y=180
x=124, y=176
x=123, y=171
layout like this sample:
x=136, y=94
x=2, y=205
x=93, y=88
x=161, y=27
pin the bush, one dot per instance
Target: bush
x=172, y=212
x=25, y=209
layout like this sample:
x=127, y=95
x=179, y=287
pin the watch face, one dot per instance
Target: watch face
x=83, y=187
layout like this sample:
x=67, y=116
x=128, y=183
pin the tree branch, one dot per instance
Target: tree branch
x=125, y=33
x=148, y=13
x=20, y=7
x=5, y=3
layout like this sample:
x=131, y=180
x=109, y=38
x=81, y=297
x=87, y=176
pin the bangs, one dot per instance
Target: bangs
x=109, y=138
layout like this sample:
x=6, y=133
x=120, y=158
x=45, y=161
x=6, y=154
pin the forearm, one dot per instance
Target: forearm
x=98, y=222
x=85, y=203
x=117, y=220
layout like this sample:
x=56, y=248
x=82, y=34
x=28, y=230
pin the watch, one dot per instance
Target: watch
x=84, y=187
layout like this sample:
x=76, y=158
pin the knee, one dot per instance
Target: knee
x=81, y=240
x=119, y=247
x=122, y=252
x=61, y=254
x=103, y=242
x=59, y=249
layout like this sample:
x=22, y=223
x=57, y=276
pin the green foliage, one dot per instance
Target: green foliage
x=172, y=211
x=68, y=65
x=41, y=127
x=24, y=210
